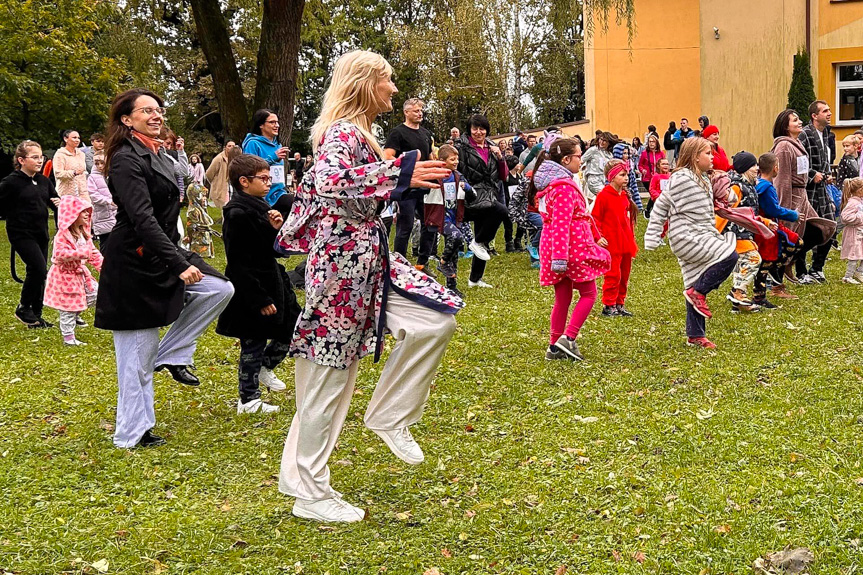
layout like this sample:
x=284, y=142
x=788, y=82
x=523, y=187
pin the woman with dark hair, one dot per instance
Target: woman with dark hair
x=263, y=141
x=70, y=166
x=147, y=282
x=483, y=166
x=25, y=198
x=790, y=185
x=668, y=142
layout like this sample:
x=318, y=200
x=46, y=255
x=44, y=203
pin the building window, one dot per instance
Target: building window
x=849, y=94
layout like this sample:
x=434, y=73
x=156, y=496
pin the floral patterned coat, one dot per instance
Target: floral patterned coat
x=350, y=269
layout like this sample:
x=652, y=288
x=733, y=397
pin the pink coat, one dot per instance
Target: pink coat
x=852, y=236
x=568, y=233
x=69, y=281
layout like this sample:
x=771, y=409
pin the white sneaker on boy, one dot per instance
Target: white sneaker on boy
x=270, y=380
x=402, y=444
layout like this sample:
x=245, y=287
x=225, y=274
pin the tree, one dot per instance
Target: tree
x=51, y=75
x=802, y=91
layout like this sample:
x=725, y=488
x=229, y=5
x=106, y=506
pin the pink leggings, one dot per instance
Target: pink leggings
x=562, y=300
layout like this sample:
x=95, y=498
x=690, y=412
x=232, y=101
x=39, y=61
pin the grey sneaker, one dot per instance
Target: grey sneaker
x=552, y=353
x=569, y=347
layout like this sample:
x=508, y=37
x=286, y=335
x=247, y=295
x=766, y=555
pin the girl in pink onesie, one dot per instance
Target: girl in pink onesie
x=569, y=257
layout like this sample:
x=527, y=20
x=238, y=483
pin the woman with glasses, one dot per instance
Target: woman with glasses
x=147, y=282
x=263, y=142
x=25, y=198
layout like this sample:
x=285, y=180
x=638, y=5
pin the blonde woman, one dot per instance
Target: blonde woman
x=355, y=289
x=70, y=167
x=706, y=257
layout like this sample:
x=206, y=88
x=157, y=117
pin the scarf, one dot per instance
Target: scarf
x=152, y=144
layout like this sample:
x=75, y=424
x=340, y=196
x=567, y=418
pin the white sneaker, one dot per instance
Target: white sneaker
x=269, y=380
x=858, y=276
x=479, y=251
x=402, y=444
x=256, y=405
x=480, y=283
x=335, y=510
x=850, y=280
x=73, y=342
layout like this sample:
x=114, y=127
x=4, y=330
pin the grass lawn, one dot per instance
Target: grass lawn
x=650, y=457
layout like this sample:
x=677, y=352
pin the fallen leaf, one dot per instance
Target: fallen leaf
x=795, y=457
x=616, y=555
x=446, y=553
x=239, y=544
x=432, y=571
x=792, y=561
x=468, y=428
x=101, y=565
x=403, y=516
x=639, y=556
x=560, y=570
x=225, y=506
x=723, y=529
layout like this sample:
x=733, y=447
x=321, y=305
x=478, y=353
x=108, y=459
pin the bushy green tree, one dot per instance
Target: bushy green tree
x=802, y=91
x=52, y=77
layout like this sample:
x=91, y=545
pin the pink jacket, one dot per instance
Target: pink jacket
x=569, y=232
x=647, y=164
x=65, y=166
x=852, y=236
x=69, y=281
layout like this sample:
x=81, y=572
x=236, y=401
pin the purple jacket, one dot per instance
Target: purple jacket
x=104, y=210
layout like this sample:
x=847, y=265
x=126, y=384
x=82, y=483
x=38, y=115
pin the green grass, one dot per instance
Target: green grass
x=701, y=461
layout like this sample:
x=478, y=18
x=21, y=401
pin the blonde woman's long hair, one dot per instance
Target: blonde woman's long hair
x=351, y=95
x=688, y=153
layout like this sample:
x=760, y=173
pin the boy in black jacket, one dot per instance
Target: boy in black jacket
x=264, y=306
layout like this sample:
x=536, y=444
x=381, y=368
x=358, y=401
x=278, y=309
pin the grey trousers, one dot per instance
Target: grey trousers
x=139, y=352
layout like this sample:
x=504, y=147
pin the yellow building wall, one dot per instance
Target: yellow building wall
x=746, y=73
x=840, y=40
x=656, y=81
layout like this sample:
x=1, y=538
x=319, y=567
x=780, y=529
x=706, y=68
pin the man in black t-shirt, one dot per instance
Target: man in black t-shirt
x=404, y=138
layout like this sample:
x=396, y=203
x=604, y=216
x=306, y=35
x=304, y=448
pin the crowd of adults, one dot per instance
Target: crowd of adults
x=132, y=180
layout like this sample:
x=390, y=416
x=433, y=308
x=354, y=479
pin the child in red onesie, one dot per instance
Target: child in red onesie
x=615, y=216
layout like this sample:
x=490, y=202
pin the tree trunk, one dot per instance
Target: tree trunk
x=278, y=61
x=216, y=45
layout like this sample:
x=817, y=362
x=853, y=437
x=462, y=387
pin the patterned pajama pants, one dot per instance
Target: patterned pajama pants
x=748, y=264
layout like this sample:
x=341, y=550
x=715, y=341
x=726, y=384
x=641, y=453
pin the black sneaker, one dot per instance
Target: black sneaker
x=510, y=248
x=622, y=311
x=41, y=324
x=26, y=316
x=150, y=440
x=764, y=304
x=818, y=277
x=569, y=347
x=456, y=291
x=609, y=311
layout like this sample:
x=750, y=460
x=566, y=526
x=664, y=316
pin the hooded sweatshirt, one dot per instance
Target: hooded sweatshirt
x=69, y=281
x=569, y=232
x=258, y=145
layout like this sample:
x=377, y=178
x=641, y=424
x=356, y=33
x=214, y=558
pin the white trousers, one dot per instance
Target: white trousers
x=139, y=351
x=324, y=396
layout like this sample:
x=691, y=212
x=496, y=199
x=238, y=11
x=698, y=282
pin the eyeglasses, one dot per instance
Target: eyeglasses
x=264, y=179
x=33, y=157
x=148, y=110
x=273, y=122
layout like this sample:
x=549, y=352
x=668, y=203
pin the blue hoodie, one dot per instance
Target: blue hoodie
x=768, y=201
x=257, y=145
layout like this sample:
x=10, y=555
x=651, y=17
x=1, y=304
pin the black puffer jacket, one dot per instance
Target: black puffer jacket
x=484, y=177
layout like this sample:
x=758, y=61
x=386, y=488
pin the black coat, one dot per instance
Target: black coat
x=259, y=280
x=140, y=285
x=483, y=176
x=24, y=202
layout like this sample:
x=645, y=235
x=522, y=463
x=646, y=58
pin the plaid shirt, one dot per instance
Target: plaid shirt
x=818, y=162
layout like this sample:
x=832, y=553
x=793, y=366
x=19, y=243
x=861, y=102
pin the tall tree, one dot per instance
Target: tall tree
x=802, y=90
x=52, y=77
x=216, y=46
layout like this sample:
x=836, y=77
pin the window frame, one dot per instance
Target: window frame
x=845, y=85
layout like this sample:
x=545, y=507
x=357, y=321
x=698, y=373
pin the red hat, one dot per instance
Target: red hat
x=709, y=131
